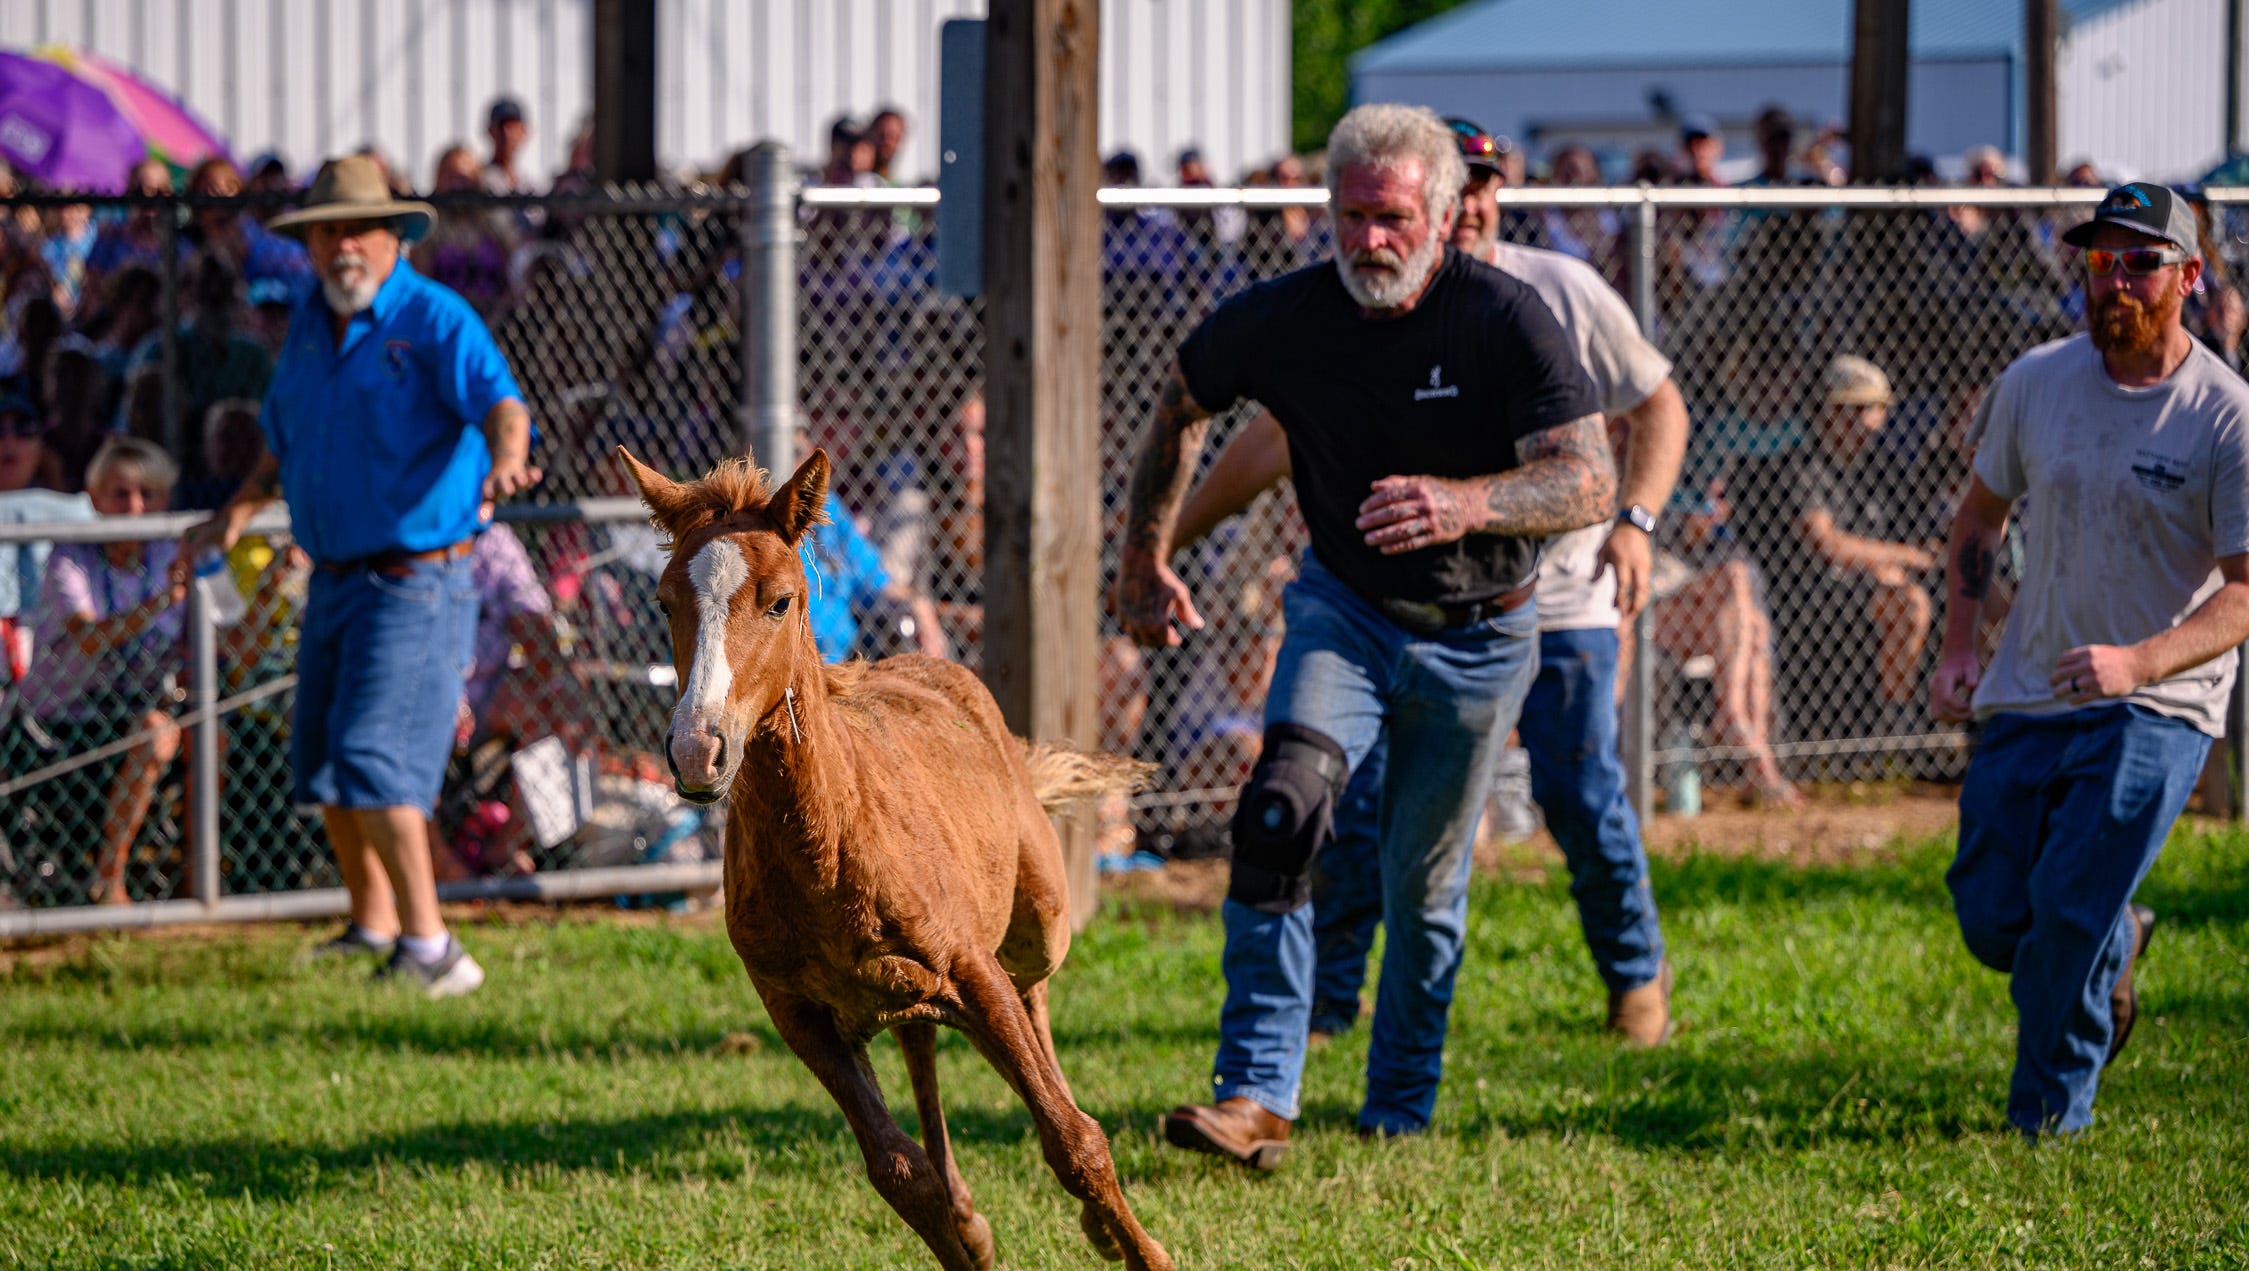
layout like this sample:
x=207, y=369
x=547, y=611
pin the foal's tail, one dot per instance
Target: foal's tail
x=1061, y=773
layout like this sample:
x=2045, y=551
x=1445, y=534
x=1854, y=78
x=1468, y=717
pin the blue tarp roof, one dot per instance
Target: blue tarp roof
x=1500, y=34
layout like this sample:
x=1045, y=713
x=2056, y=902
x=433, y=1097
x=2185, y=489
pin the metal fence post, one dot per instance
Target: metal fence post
x=1639, y=690
x=203, y=771
x=769, y=308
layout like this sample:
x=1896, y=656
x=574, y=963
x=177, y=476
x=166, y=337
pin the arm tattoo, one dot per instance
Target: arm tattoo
x=1166, y=467
x=1975, y=570
x=1567, y=479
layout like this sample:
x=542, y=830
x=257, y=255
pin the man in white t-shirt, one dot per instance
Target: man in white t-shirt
x=1589, y=580
x=2128, y=447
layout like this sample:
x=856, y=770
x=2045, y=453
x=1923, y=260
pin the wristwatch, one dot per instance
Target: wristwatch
x=1638, y=518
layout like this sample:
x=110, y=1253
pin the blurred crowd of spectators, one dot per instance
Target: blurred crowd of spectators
x=622, y=329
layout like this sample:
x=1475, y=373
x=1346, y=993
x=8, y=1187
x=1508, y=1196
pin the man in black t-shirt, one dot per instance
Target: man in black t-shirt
x=1439, y=429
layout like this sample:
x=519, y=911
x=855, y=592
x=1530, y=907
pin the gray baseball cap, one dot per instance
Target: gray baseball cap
x=2147, y=207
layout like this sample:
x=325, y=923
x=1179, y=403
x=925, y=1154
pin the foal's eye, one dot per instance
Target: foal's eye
x=780, y=607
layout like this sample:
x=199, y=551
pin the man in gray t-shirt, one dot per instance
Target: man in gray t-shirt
x=2130, y=445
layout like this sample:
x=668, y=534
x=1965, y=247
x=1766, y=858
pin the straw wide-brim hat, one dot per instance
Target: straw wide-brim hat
x=352, y=189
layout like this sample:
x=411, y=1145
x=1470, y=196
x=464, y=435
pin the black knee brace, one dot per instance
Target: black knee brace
x=1286, y=811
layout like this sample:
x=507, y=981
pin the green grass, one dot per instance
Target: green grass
x=1834, y=1100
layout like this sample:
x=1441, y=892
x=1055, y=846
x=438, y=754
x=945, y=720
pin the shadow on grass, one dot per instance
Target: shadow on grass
x=2216, y=896
x=801, y=1139
x=507, y=1037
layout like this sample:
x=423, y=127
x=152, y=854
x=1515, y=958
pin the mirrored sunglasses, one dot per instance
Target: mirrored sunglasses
x=2101, y=262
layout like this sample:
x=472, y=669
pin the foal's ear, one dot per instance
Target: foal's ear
x=664, y=496
x=803, y=502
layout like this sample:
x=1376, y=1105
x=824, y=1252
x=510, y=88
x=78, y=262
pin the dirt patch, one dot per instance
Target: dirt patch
x=1838, y=825
x=1842, y=823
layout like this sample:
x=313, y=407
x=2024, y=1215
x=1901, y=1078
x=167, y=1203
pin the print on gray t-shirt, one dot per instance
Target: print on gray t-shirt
x=2129, y=498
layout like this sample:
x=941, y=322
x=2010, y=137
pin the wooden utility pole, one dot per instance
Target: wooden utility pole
x=2236, y=19
x=624, y=89
x=1042, y=381
x=1879, y=57
x=2041, y=36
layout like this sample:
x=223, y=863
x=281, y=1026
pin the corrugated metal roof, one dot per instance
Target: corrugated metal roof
x=1504, y=33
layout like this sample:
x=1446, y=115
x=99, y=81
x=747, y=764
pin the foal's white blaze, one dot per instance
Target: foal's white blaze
x=718, y=571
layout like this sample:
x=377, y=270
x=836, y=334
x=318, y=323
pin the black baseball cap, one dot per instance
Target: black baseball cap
x=1478, y=149
x=2147, y=207
x=505, y=110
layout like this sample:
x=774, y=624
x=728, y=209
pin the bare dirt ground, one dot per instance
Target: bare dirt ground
x=1842, y=823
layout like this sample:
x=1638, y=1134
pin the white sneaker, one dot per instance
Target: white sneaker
x=454, y=975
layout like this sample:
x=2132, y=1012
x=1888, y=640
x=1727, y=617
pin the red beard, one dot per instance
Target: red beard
x=2121, y=324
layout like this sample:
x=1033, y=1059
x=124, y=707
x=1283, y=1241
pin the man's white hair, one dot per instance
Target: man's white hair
x=1386, y=134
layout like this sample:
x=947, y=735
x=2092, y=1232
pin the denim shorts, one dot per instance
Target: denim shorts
x=379, y=665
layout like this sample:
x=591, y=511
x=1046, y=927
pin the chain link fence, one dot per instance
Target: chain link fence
x=1799, y=589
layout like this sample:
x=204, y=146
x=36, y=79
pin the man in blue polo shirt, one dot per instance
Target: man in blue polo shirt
x=393, y=424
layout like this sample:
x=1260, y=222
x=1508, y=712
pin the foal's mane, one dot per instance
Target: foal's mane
x=736, y=485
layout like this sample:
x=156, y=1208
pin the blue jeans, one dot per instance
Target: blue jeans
x=1444, y=702
x=2060, y=818
x=379, y=664
x=1569, y=727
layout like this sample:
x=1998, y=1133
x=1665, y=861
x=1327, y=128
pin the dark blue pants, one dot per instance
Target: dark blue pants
x=2060, y=818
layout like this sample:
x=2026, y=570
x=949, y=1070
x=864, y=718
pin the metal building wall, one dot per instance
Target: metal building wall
x=313, y=77
x=1953, y=103
x=2142, y=89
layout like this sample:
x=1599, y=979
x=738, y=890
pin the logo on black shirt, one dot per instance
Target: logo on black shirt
x=1437, y=386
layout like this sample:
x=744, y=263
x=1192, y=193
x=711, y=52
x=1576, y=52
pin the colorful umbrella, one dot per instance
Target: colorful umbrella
x=62, y=131
x=172, y=132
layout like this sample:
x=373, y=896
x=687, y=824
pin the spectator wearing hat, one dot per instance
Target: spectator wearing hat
x=2126, y=449
x=267, y=176
x=1701, y=146
x=509, y=130
x=851, y=156
x=393, y=423
x=1811, y=518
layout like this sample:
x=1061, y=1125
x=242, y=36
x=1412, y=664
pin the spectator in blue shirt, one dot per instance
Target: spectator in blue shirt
x=393, y=424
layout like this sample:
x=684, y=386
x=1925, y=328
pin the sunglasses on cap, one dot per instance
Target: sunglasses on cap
x=18, y=424
x=2101, y=262
x=1474, y=142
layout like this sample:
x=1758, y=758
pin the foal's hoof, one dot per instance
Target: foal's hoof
x=1097, y=1230
x=976, y=1236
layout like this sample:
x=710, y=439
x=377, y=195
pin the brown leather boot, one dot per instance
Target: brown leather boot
x=1643, y=1014
x=1241, y=1130
x=2124, y=999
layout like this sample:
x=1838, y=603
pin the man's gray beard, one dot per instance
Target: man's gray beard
x=1390, y=293
x=348, y=300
